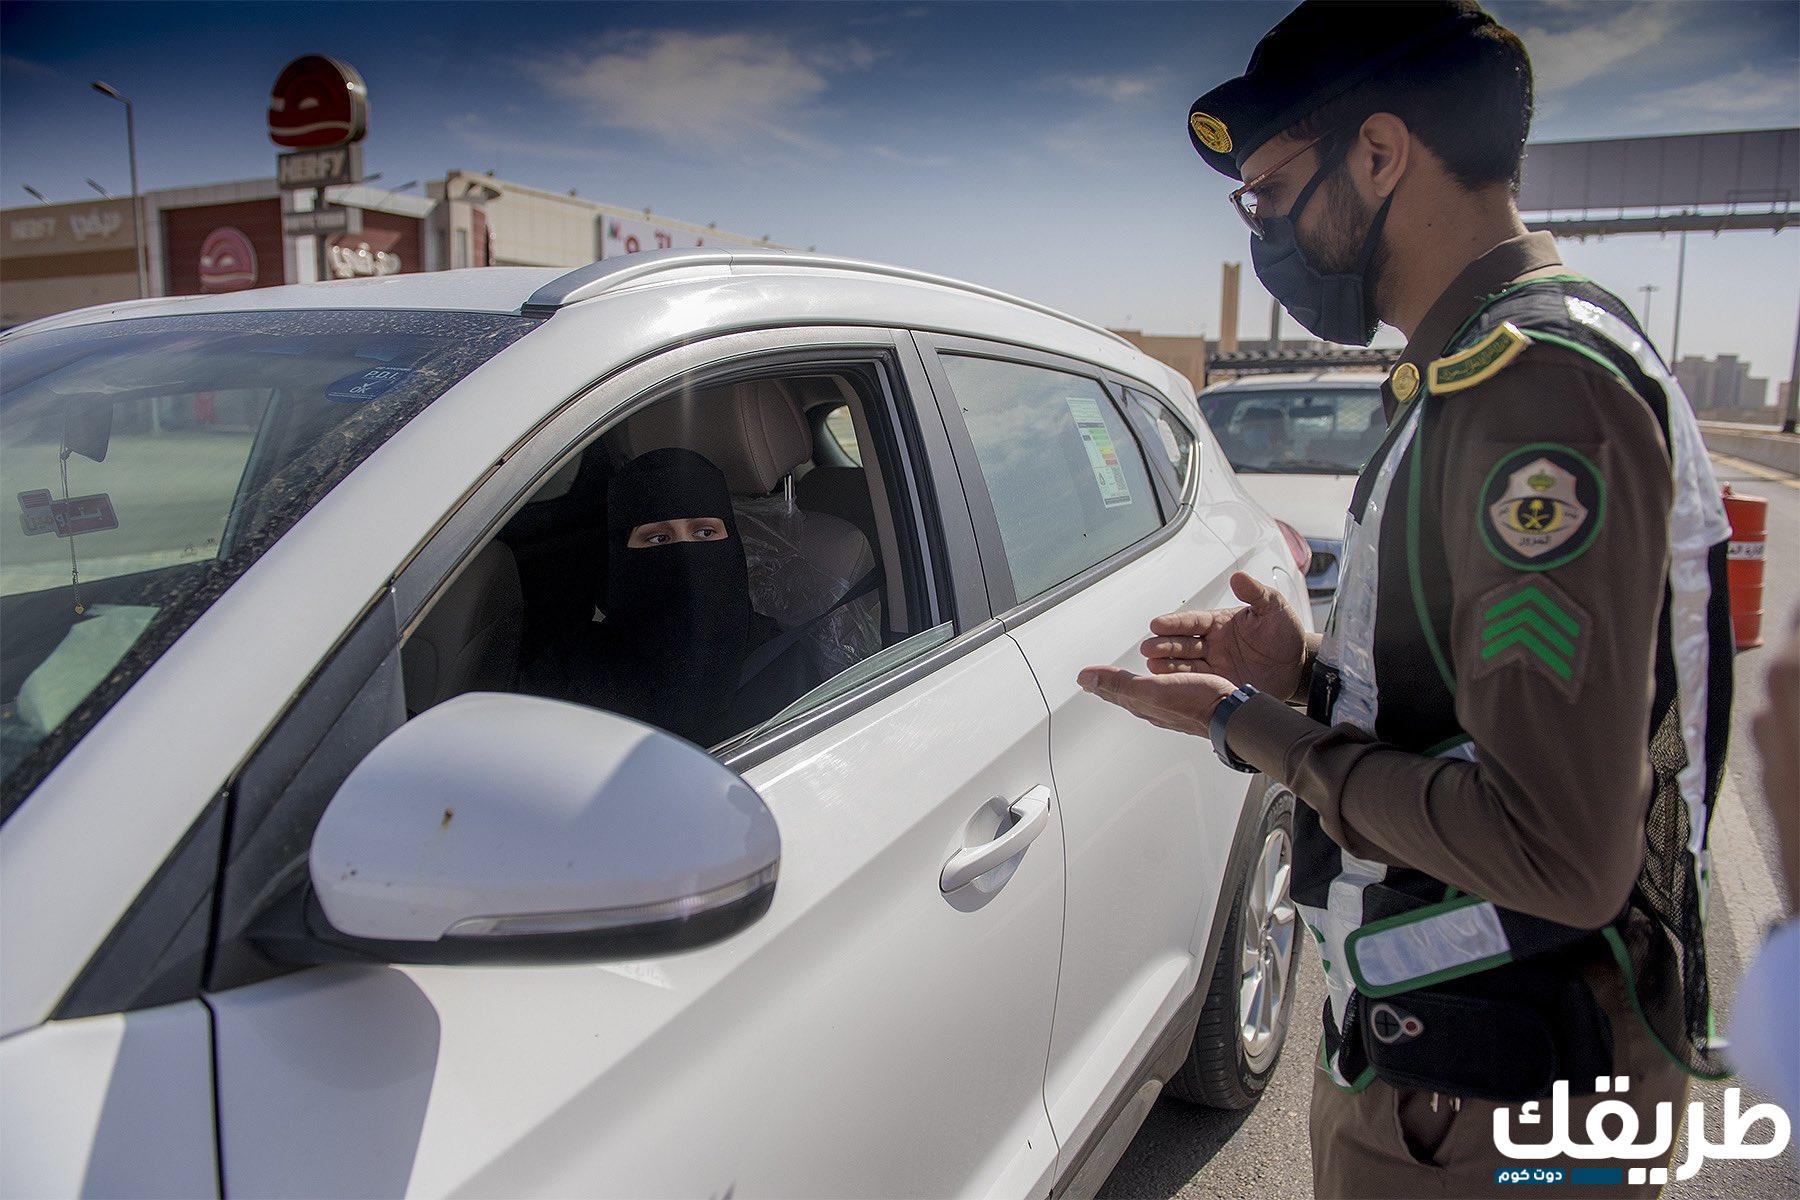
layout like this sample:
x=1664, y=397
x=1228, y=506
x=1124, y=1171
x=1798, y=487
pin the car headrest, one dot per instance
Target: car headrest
x=752, y=431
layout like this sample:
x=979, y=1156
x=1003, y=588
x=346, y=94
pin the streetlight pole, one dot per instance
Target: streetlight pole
x=137, y=216
x=1680, y=281
x=1790, y=420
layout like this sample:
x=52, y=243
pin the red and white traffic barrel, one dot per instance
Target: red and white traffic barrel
x=1749, y=517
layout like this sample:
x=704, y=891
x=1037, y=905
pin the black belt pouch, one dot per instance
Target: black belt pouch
x=1505, y=1034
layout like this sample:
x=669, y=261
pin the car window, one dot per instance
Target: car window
x=842, y=428
x=1065, y=472
x=1322, y=430
x=792, y=599
x=154, y=460
x=1172, y=438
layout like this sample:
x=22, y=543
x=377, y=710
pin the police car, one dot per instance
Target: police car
x=301, y=894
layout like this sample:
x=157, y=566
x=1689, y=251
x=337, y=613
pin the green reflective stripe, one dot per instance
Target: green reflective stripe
x=1538, y=335
x=1623, y=958
x=1504, y=292
x=1448, y=744
x=1532, y=594
x=1533, y=622
x=1425, y=913
x=1415, y=574
x=1362, y=1081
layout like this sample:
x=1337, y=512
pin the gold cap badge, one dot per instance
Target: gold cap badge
x=1212, y=133
x=1405, y=382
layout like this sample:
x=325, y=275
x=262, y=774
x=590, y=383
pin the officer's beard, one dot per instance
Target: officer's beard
x=1345, y=224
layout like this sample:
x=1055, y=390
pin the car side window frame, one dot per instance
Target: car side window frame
x=938, y=514
x=1181, y=489
x=996, y=566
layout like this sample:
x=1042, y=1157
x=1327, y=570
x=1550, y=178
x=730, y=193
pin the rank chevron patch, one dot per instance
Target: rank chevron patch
x=1534, y=624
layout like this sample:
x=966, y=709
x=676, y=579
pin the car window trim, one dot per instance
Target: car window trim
x=1185, y=486
x=941, y=518
x=997, y=569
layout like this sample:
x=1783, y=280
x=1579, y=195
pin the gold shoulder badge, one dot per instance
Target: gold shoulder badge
x=1405, y=382
x=1212, y=133
x=1483, y=360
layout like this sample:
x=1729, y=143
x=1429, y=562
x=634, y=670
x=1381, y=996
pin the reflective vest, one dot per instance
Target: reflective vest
x=1387, y=931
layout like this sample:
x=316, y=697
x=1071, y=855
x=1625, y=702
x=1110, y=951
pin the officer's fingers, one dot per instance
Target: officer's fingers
x=1254, y=592
x=1108, y=683
x=1182, y=666
x=1186, y=624
x=1129, y=691
x=1172, y=647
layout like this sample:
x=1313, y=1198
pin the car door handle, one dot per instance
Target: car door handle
x=1032, y=811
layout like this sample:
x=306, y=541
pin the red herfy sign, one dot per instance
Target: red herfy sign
x=318, y=102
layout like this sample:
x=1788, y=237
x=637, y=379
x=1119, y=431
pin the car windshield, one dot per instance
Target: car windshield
x=154, y=460
x=1301, y=430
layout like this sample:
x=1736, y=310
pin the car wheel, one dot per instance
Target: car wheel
x=1245, y=1017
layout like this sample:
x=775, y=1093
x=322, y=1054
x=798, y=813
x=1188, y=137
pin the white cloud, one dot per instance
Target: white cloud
x=909, y=160
x=701, y=91
x=1118, y=88
x=1747, y=90
x=1564, y=57
x=24, y=66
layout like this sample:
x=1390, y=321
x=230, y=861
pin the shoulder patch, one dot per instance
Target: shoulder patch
x=1534, y=624
x=1541, y=506
x=1483, y=360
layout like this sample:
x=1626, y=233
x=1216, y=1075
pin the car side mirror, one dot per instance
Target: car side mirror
x=508, y=829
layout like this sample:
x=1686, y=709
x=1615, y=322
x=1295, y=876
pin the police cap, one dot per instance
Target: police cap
x=1317, y=53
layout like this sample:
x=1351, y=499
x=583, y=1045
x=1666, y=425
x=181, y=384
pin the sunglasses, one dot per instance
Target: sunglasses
x=1245, y=199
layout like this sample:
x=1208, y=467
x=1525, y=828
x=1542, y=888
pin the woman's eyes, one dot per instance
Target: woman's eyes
x=706, y=531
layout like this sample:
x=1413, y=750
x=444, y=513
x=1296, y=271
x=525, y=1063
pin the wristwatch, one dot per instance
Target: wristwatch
x=1216, y=729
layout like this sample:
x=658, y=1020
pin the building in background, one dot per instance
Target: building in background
x=1721, y=384
x=228, y=237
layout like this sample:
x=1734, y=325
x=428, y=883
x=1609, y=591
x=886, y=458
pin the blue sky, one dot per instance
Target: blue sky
x=1038, y=148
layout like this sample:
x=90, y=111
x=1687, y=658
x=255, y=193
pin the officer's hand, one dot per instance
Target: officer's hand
x=1263, y=645
x=1182, y=702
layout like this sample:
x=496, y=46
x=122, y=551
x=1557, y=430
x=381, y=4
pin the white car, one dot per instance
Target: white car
x=301, y=895
x=1298, y=441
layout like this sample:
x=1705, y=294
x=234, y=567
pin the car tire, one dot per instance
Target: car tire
x=1249, y=1000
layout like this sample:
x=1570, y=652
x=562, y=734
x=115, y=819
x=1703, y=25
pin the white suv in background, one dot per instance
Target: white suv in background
x=1298, y=441
x=299, y=895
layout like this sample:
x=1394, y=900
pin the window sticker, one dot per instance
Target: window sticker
x=1103, y=457
x=367, y=385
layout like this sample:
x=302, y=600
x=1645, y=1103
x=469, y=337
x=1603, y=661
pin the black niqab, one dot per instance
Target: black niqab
x=677, y=616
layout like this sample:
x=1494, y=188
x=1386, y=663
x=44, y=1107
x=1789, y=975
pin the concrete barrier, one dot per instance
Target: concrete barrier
x=1764, y=447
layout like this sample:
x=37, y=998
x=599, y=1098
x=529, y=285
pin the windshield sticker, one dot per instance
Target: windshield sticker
x=1103, y=456
x=39, y=513
x=367, y=385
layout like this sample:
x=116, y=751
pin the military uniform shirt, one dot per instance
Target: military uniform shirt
x=1553, y=491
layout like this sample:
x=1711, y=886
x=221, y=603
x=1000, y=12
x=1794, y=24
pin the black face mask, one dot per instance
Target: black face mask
x=678, y=615
x=1337, y=306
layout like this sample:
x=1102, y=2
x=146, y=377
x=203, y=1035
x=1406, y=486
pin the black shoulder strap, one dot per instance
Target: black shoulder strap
x=775, y=647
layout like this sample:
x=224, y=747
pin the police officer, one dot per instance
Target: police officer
x=1515, y=720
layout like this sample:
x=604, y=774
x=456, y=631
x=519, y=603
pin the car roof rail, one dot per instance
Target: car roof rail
x=596, y=279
